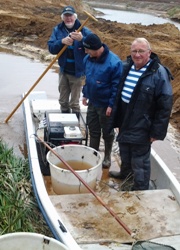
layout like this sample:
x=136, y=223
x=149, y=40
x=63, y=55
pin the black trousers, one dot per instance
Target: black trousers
x=136, y=159
x=97, y=122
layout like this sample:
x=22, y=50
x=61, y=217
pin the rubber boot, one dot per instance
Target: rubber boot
x=94, y=142
x=65, y=111
x=107, y=154
x=77, y=113
x=123, y=173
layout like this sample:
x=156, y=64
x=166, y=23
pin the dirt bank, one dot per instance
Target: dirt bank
x=27, y=25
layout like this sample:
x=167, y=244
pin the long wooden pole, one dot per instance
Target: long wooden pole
x=90, y=189
x=50, y=65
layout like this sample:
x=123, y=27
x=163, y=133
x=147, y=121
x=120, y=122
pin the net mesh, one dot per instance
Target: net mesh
x=147, y=245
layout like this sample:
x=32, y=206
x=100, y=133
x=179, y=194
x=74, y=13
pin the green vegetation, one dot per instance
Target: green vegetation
x=19, y=211
x=174, y=11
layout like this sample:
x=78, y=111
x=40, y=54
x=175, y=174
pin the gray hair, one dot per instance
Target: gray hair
x=142, y=40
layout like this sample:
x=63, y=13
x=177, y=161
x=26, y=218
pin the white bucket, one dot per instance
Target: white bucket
x=29, y=241
x=63, y=180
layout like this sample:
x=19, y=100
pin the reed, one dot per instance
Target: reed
x=19, y=211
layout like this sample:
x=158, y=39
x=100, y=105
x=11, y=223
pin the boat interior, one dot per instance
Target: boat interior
x=148, y=214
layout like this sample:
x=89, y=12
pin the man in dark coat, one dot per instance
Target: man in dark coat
x=141, y=112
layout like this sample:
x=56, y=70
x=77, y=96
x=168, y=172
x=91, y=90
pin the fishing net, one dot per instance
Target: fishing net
x=147, y=245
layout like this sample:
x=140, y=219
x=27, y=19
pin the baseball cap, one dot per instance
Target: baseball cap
x=68, y=10
x=92, y=41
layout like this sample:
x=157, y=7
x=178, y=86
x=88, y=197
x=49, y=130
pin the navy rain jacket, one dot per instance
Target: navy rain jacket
x=148, y=112
x=55, y=45
x=102, y=78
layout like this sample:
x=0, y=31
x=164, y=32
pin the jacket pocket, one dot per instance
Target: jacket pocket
x=146, y=92
x=144, y=99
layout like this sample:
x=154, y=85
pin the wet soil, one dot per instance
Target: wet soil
x=25, y=28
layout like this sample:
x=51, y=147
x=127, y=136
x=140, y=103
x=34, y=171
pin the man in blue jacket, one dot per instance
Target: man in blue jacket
x=141, y=111
x=71, y=61
x=102, y=69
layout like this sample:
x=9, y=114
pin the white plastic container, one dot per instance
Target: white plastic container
x=29, y=241
x=63, y=180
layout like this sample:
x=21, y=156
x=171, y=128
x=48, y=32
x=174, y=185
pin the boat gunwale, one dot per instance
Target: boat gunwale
x=52, y=218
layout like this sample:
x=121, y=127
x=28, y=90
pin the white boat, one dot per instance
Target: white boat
x=79, y=220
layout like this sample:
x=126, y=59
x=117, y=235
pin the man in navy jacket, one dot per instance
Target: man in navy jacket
x=141, y=112
x=71, y=61
x=103, y=69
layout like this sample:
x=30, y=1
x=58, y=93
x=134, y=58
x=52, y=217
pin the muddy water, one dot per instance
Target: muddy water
x=17, y=75
x=76, y=165
x=133, y=17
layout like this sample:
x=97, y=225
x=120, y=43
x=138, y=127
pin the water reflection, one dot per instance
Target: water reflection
x=17, y=75
x=133, y=17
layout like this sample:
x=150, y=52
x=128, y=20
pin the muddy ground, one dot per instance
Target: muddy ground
x=26, y=26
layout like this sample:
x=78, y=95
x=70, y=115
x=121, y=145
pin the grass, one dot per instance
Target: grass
x=174, y=11
x=19, y=211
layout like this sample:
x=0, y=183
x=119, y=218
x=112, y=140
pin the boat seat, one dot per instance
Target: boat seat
x=150, y=214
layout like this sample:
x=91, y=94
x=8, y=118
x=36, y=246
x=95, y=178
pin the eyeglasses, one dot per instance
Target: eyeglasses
x=141, y=52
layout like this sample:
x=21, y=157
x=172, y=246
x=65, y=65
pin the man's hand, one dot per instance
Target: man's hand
x=76, y=36
x=108, y=111
x=152, y=140
x=67, y=41
x=84, y=101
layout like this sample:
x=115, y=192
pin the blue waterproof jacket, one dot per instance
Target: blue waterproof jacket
x=102, y=78
x=148, y=112
x=55, y=45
